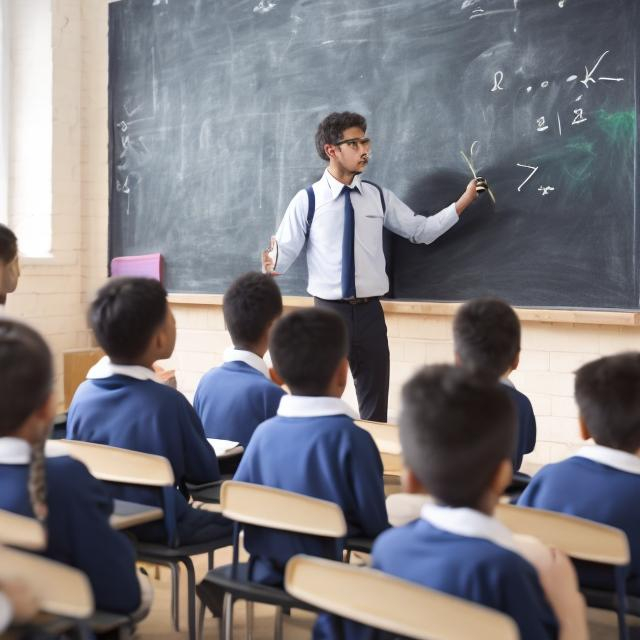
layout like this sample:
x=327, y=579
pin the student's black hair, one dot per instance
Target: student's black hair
x=125, y=314
x=26, y=381
x=8, y=244
x=306, y=347
x=330, y=130
x=607, y=392
x=455, y=430
x=486, y=336
x=250, y=305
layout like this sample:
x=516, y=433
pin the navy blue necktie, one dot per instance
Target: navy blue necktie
x=348, y=261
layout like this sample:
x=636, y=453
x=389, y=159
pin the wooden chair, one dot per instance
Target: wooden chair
x=384, y=602
x=580, y=539
x=261, y=506
x=387, y=440
x=20, y=531
x=124, y=466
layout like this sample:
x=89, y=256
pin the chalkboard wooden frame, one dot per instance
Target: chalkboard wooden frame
x=445, y=309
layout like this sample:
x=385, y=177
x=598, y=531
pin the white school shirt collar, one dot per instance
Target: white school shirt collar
x=314, y=407
x=470, y=523
x=231, y=354
x=336, y=186
x=621, y=460
x=507, y=383
x=104, y=368
x=18, y=451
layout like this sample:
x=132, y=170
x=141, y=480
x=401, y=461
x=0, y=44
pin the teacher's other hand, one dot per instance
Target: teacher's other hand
x=269, y=257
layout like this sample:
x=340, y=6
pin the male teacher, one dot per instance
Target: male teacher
x=341, y=217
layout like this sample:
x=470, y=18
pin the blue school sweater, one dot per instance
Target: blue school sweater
x=595, y=490
x=79, y=533
x=232, y=400
x=322, y=456
x=472, y=568
x=146, y=416
x=526, y=438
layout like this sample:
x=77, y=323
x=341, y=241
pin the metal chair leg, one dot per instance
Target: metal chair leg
x=248, y=631
x=277, y=632
x=621, y=593
x=191, y=598
x=175, y=595
x=201, y=611
x=227, y=609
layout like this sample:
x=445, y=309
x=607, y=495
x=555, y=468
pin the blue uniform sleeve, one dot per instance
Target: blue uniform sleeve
x=105, y=555
x=366, y=475
x=200, y=461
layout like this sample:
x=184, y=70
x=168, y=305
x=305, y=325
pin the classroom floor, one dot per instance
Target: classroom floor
x=157, y=626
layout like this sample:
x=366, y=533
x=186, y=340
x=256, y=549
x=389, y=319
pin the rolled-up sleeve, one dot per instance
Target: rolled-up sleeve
x=6, y=612
x=403, y=221
x=291, y=232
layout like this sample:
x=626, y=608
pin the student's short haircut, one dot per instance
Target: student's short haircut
x=8, y=244
x=608, y=397
x=330, y=130
x=486, y=336
x=455, y=430
x=306, y=347
x=250, y=305
x=125, y=314
x=26, y=374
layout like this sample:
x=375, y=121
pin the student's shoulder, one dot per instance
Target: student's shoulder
x=395, y=538
x=521, y=399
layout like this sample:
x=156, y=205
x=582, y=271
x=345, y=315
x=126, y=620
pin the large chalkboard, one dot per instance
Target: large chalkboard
x=214, y=103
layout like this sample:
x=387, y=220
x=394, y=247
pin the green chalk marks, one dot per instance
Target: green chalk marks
x=618, y=126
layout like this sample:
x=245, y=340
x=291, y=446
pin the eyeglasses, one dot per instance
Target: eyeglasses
x=355, y=143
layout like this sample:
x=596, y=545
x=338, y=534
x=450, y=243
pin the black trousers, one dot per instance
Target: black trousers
x=368, y=354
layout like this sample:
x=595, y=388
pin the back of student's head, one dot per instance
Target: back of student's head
x=306, y=347
x=125, y=314
x=608, y=396
x=486, y=336
x=8, y=244
x=455, y=429
x=250, y=305
x=26, y=374
x=26, y=380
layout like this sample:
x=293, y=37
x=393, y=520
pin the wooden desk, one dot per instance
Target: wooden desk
x=131, y=514
x=387, y=440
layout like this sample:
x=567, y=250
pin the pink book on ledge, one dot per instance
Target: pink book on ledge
x=147, y=266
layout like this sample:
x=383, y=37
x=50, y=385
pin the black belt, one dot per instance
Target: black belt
x=351, y=300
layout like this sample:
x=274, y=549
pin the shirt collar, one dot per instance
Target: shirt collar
x=18, y=451
x=336, y=186
x=313, y=407
x=469, y=523
x=621, y=460
x=507, y=383
x=104, y=368
x=232, y=354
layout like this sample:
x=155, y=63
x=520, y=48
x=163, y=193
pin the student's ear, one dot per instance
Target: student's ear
x=410, y=483
x=584, y=430
x=164, y=339
x=502, y=477
x=275, y=377
x=342, y=375
x=457, y=359
x=516, y=362
x=330, y=150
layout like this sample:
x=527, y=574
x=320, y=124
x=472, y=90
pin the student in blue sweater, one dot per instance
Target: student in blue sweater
x=233, y=399
x=312, y=445
x=71, y=504
x=123, y=405
x=456, y=433
x=486, y=339
x=601, y=482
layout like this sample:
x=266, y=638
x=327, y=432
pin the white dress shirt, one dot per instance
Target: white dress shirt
x=231, y=354
x=313, y=407
x=324, y=248
x=6, y=612
x=620, y=460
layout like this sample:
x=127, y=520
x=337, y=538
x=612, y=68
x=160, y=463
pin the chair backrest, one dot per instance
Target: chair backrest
x=387, y=440
x=124, y=466
x=262, y=506
x=384, y=602
x=114, y=464
x=59, y=589
x=579, y=538
x=20, y=531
